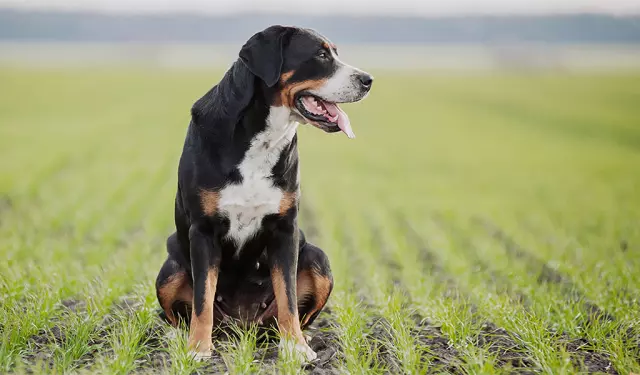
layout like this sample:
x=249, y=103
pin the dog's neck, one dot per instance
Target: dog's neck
x=267, y=145
x=235, y=134
x=281, y=126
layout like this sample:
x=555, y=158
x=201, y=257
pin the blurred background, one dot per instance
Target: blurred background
x=452, y=35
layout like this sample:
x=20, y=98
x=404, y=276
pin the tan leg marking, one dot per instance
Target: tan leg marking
x=201, y=326
x=308, y=283
x=288, y=322
x=311, y=283
x=176, y=288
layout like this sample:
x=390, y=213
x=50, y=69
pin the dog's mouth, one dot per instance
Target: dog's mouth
x=324, y=114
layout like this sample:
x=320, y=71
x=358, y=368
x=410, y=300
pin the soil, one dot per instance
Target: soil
x=445, y=357
x=583, y=353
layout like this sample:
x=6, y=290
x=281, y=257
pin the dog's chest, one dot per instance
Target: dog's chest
x=247, y=203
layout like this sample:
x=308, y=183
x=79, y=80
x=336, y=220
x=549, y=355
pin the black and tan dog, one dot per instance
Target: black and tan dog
x=237, y=252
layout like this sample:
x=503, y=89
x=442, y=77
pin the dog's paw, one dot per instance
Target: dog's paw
x=198, y=355
x=201, y=351
x=301, y=351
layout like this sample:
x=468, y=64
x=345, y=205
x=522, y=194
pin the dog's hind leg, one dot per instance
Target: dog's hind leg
x=315, y=283
x=173, y=287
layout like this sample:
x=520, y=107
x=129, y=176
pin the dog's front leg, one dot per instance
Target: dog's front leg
x=205, y=262
x=282, y=251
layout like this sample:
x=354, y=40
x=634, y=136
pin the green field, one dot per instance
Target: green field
x=479, y=223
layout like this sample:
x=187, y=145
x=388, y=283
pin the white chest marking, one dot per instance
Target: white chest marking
x=247, y=203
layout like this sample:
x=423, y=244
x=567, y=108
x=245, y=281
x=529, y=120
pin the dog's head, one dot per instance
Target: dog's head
x=301, y=70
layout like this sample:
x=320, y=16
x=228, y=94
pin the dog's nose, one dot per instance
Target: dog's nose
x=366, y=80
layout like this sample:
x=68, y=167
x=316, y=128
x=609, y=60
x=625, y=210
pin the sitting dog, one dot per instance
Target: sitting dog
x=237, y=253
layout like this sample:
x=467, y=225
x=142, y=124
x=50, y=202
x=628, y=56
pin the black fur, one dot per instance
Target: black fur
x=263, y=53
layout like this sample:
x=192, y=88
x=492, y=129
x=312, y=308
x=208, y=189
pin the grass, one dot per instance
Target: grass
x=480, y=223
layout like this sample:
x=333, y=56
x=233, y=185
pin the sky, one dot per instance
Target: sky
x=354, y=7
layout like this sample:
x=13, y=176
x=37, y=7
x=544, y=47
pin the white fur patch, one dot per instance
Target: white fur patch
x=291, y=349
x=343, y=86
x=247, y=203
x=200, y=356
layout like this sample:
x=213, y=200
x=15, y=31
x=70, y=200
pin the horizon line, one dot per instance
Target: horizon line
x=209, y=13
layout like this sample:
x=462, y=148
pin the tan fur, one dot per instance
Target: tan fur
x=305, y=284
x=323, y=288
x=202, y=325
x=284, y=77
x=289, y=91
x=209, y=201
x=288, y=200
x=176, y=288
x=309, y=282
x=288, y=322
x=329, y=46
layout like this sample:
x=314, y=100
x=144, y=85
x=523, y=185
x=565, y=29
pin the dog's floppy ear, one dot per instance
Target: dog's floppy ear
x=263, y=53
x=226, y=100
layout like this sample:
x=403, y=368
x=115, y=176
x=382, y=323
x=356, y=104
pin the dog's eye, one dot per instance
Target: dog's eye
x=323, y=54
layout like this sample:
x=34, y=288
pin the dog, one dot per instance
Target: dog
x=237, y=253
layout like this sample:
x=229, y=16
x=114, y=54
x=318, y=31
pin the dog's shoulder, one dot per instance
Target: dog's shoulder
x=239, y=163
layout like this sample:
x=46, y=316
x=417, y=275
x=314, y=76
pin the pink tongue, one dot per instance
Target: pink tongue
x=343, y=120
